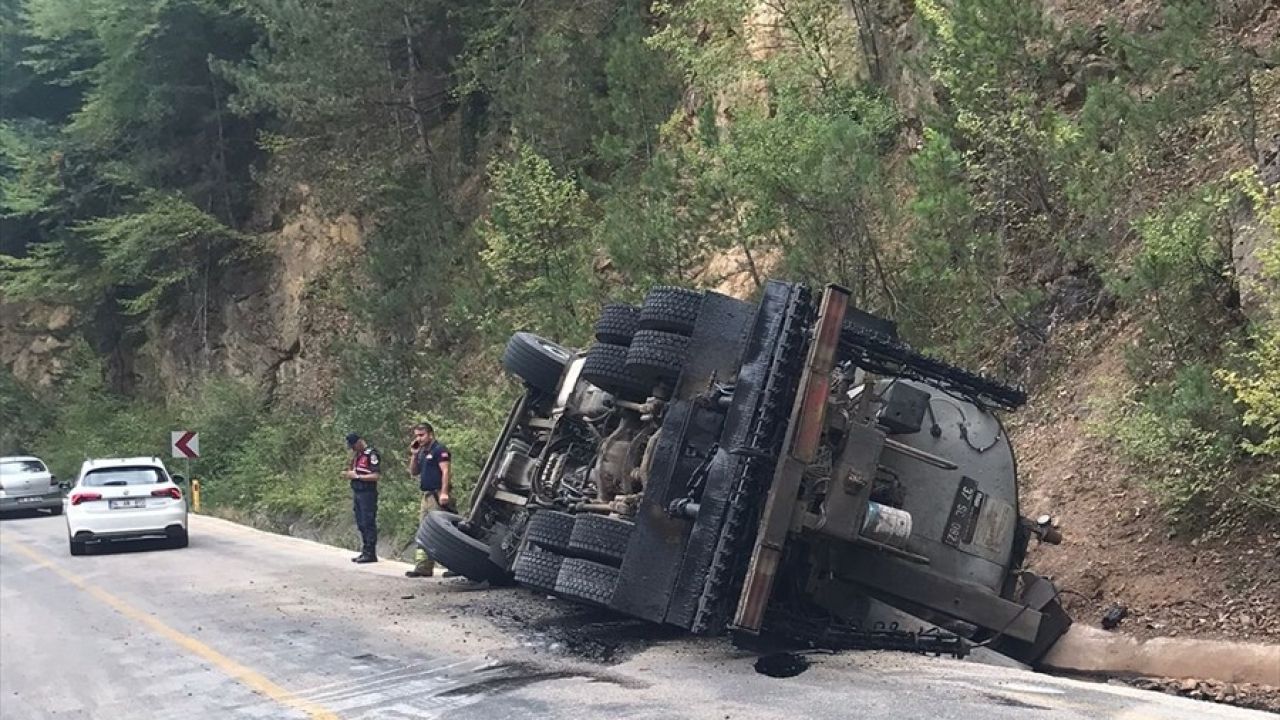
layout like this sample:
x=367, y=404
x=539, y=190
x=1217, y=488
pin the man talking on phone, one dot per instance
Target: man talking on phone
x=429, y=462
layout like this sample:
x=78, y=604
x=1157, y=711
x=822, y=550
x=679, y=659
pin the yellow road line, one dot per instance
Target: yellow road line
x=250, y=678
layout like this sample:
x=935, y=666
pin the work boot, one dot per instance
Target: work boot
x=421, y=571
x=365, y=558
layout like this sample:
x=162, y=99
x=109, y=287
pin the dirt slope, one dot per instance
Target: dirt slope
x=1117, y=548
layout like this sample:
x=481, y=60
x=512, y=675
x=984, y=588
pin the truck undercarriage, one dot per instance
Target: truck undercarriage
x=786, y=467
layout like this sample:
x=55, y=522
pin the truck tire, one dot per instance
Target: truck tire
x=448, y=545
x=617, y=324
x=536, y=360
x=656, y=355
x=670, y=309
x=537, y=568
x=550, y=530
x=586, y=581
x=606, y=368
x=600, y=538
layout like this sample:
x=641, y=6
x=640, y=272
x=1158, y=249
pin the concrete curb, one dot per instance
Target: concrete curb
x=1090, y=650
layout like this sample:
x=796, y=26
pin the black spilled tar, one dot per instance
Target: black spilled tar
x=782, y=665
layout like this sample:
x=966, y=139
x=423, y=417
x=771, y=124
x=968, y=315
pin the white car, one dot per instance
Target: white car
x=27, y=484
x=117, y=498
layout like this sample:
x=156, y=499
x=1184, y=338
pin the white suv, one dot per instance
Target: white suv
x=125, y=498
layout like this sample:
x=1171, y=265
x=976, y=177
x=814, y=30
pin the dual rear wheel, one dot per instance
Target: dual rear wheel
x=638, y=347
x=573, y=556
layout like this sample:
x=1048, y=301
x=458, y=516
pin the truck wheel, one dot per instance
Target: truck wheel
x=550, y=530
x=670, y=309
x=537, y=568
x=606, y=368
x=536, y=360
x=617, y=324
x=586, y=581
x=600, y=538
x=448, y=545
x=657, y=355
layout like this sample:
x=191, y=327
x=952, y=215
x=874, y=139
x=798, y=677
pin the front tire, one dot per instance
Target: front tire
x=536, y=360
x=448, y=545
x=78, y=547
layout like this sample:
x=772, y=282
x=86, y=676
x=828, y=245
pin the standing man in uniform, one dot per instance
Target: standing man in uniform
x=429, y=462
x=364, y=471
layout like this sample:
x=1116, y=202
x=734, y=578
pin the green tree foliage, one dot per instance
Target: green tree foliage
x=125, y=197
x=1255, y=384
x=1182, y=275
x=356, y=87
x=535, y=246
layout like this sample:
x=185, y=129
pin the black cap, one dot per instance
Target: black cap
x=351, y=439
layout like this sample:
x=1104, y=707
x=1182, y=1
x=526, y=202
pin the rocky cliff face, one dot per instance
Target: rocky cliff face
x=34, y=341
x=268, y=320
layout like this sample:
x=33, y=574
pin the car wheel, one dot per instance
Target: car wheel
x=606, y=368
x=536, y=360
x=617, y=324
x=78, y=547
x=537, y=568
x=657, y=355
x=600, y=538
x=179, y=541
x=550, y=530
x=586, y=581
x=55, y=510
x=448, y=545
x=670, y=309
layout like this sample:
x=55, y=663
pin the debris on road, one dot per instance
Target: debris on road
x=782, y=665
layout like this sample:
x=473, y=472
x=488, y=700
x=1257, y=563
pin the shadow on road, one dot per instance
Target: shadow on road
x=25, y=514
x=124, y=547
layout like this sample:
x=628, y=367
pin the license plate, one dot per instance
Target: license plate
x=29, y=500
x=119, y=504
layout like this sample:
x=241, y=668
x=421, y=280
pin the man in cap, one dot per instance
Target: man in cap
x=364, y=471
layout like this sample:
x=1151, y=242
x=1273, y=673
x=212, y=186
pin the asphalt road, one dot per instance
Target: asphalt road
x=244, y=624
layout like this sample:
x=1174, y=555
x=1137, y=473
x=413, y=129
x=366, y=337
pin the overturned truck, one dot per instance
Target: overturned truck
x=787, y=468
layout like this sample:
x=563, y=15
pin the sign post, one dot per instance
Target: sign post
x=185, y=444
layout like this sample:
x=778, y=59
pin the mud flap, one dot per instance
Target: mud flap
x=1039, y=594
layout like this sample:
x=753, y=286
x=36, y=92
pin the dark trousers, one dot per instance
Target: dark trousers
x=366, y=510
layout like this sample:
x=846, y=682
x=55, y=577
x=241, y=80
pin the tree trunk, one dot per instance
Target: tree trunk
x=418, y=121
